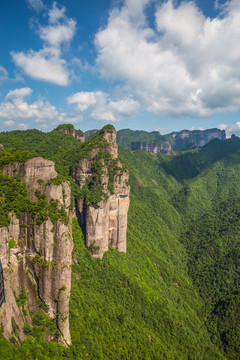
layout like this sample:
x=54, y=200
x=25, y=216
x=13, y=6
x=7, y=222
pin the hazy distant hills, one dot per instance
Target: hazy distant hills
x=157, y=143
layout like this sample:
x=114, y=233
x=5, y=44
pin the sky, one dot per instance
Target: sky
x=163, y=65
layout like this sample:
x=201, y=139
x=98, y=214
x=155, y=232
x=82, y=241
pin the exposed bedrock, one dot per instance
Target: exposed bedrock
x=105, y=222
x=40, y=255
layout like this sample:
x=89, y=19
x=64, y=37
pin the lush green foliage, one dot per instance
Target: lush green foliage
x=214, y=262
x=175, y=294
x=141, y=304
x=126, y=137
x=13, y=196
x=178, y=142
x=12, y=156
x=66, y=151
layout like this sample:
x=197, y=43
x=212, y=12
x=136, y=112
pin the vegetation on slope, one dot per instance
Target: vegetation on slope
x=13, y=195
x=183, y=231
x=66, y=151
x=126, y=136
x=141, y=304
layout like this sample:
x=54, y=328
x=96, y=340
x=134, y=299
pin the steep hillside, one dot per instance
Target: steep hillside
x=36, y=246
x=174, y=293
x=141, y=304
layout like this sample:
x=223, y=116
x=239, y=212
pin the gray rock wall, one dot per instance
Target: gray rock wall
x=105, y=223
x=42, y=256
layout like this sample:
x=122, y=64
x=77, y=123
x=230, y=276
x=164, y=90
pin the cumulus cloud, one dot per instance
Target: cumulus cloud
x=16, y=109
x=114, y=111
x=47, y=64
x=187, y=65
x=103, y=107
x=83, y=99
x=19, y=93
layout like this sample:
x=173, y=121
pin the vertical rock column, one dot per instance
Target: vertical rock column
x=105, y=222
x=41, y=259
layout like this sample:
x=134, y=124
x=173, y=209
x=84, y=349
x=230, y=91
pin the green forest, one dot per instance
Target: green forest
x=175, y=293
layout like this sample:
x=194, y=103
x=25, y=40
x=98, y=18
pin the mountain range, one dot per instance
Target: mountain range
x=168, y=290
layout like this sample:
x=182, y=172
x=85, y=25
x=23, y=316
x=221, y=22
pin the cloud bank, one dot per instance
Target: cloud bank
x=15, y=109
x=103, y=107
x=185, y=65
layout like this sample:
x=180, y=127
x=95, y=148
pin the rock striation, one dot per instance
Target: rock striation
x=36, y=240
x=154, y=142
x=104, y=221
x=156, y=148
x=187, y=139
x=37, y=257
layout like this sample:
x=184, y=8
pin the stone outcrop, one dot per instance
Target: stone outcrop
x=104, y=222
x=156, y=143
x=69, y=129
x=156, y=148
x=187, y=139
x=37, y=257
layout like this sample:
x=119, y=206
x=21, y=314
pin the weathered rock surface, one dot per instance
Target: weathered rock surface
x=177, y=141
x=163, y=147
x=187, y=139
x=105, y=223
x=41, y=259
x=77, y=134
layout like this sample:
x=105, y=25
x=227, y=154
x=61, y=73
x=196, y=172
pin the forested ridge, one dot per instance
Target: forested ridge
x=175, y=293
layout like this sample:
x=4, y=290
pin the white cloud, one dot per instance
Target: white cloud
x=37, y=5
x=16, y=109
x=3, y=74
x=56, y=13
x=104, y=108
x=9, y=122
x=23, y=126
x=187, y=66
x=231, y=129
x=19, y=93
x=54, y=35
x=47, y=64
x=83, y=100
x=116, y=110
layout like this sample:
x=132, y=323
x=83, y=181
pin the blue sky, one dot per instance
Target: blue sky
x=139, y=64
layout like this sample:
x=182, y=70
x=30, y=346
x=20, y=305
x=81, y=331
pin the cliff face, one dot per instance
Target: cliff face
x=36, y=255
x=188, y=139
x=163, y=147
x=105, y=220
x=154, y=142
x=69, y=129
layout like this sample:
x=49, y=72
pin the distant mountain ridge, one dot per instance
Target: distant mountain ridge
x=178, y=141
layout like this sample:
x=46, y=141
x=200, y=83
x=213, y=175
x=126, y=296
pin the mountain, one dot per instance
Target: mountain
x=174, y=293
x=156, y=143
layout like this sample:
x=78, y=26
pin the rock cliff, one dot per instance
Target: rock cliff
x=36, y=235
x=36, y=252
x=186, y=139
x=163, y=147
x=103, y=207
x=177, y=141
x=69, y=129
